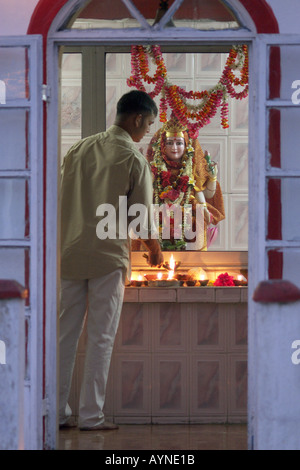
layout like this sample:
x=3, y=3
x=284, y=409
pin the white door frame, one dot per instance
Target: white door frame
x=259, y=172
x=71, y=37
x=33, y=381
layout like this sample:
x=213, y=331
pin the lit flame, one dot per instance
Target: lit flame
x=172, y=266
x=136, y=276
x=159, y=275
x=240, y=277
x=172, y=263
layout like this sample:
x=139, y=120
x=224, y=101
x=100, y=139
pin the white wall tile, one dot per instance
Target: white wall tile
x=238, y=164
x=238, y=228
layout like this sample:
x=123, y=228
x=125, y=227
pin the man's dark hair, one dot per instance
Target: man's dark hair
x=136, y=101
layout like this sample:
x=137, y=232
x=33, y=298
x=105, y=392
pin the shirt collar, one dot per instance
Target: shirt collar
x=119, y=131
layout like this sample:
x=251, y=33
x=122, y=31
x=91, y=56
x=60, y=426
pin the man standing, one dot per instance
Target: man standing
x=101, y=169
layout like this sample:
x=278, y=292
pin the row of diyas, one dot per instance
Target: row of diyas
x=172, y=278
x=161, y=278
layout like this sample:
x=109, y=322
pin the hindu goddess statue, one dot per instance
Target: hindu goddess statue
x=184, y=176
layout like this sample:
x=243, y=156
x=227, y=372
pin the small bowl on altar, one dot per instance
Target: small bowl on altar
x=135, y=283
x=153, y=277
x=182, y=277
x=240, y=282
x=203, y=282
x=164, y=283
x=191, y=282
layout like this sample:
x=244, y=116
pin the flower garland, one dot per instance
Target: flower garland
x=179, y=190
x=172, y=191
x=176, y=97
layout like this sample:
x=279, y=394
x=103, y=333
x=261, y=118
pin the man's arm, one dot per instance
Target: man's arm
x=141, y=192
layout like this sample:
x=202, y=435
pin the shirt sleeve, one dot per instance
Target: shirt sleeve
x=140, y=199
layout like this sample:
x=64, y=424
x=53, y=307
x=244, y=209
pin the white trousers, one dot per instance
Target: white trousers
x=102, y=299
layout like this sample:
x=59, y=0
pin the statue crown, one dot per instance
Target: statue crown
x=173, y=128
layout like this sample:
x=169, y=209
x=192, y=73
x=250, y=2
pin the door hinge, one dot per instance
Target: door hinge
x=46, y=93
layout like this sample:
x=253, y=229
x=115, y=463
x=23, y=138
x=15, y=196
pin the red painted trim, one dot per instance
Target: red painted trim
x=41, y=20
x=46, y=10
x=276, y=292
x=275, y=257
x=274, y=137
x=275, y=264
x=43, y=15
x=10, y=289
x=262, y=16
x=27, y=274
x=274, y=212
x=274, y=73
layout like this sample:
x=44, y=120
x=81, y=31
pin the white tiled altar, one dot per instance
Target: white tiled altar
x=180, y=356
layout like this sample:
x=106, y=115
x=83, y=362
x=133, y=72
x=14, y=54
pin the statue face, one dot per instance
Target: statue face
x=175, y=147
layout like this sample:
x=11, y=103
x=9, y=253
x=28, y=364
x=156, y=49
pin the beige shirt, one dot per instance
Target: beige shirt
x=98, y=170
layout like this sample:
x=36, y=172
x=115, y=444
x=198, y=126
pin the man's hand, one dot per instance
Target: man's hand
x=155, y=256
x=155, y=259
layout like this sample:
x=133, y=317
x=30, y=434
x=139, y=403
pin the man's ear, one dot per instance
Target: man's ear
x=138, y=120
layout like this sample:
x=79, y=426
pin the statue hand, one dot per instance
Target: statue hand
x=212, y=169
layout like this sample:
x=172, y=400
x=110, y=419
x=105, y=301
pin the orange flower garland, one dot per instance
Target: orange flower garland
x=176, y=97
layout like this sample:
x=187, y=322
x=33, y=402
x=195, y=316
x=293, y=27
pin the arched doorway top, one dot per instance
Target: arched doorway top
x=258, y=11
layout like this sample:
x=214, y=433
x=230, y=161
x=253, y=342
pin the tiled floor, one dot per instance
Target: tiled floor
x=158, y=437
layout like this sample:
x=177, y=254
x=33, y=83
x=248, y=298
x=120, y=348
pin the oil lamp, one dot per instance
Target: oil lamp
x=136, y=280
x=203, y=281
x=165, y=279
x=240, y=281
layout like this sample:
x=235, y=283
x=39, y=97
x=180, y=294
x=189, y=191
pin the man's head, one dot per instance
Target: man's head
x=136, y=112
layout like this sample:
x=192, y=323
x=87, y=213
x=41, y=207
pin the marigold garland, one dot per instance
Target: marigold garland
x=194, y=116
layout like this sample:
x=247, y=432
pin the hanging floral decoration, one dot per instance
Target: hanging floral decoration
x=193, y=116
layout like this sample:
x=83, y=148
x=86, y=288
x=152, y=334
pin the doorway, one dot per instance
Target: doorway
x=93, y=78
x=89, y=38
x=88, y=102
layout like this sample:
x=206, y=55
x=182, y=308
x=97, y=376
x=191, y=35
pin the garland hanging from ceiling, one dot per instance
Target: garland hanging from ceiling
x=193, y=116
